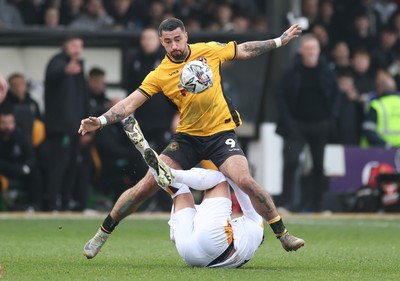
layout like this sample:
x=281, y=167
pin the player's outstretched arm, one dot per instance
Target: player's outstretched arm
x=118, y=112
x=253, y=49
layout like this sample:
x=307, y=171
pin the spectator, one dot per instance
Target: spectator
x=309, y=9
x=385, y=9
x=121, y=165
x=350, y=117
x=143, y=59
x=307, y=106
x=70, y=11
x=322, y=35
x=241, y=23
x=31, y=11
x=123, y=14
x=360, y=36
x=382, y=122
x=224, y=16
x=9, y=14
x=367, y=8
x=98, y=102
x=394, y=22
x=340, y=56
x=363, y=78
x=51, y=17
x=95, y=17
x=260, y=24
x=385, y=53
x=156, y=13
x=326, y=17
x=65, y=103
x=157, y=131
x=18, y=172
x=25, y=109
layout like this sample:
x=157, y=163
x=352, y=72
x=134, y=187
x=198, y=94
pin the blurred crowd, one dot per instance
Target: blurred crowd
x=230, y=15
x=46, y=165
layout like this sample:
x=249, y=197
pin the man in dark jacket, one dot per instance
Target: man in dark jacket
x=65, y=104
x=307, y=106
x=26, y=110
x=18, y=171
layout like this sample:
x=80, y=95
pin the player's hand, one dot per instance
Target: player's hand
x=293, y=32
x=90, y=124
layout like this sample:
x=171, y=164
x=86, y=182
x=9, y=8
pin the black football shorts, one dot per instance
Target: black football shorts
x=189, y=150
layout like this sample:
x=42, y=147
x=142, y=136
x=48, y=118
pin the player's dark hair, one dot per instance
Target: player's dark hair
x=96, y=71
x=170, y=24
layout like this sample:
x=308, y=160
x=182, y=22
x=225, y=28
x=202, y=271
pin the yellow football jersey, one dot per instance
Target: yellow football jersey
x=202, y=114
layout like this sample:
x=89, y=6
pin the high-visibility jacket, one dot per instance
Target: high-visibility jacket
x=388, y=118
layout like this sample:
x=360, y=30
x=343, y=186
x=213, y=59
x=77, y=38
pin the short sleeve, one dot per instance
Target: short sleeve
x=150, y=85
x=225, y=51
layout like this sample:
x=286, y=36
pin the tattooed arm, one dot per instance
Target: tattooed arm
x=253, y=49
x=118, y=112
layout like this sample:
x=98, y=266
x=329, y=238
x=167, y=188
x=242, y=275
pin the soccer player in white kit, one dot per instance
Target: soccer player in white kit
x=205, y=235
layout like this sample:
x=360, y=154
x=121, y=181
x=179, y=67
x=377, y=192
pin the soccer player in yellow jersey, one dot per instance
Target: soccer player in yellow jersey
x=205, y=130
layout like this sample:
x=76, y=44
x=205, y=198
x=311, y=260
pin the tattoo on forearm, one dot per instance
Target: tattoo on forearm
x=256, y=48
x=114, y=115
x=263, y=200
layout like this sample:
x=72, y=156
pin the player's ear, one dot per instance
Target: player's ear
x=186, y=36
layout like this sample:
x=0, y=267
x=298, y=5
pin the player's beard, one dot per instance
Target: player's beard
x=178, y=55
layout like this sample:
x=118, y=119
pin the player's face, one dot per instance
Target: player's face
x=175, y=43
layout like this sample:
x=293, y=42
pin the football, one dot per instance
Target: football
x=196, y=77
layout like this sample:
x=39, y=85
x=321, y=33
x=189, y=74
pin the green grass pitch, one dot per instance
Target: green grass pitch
x=337, y=248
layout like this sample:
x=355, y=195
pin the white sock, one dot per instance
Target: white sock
x=198, y=178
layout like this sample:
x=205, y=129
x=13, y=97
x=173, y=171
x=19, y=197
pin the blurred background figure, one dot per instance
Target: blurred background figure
x=157, y=130
x=51, y=17
x=9, y=14
x=19, y=183
x=66, y=103
x=118, y=164
x=70, y=11
x=362, y=74
x=382, y=122
x=31, y=11
x=122, y=14
x=359, y=35
x=351, y=111
x=307, y=106
x=340, y=56
x=385, y=52
x=95, y=17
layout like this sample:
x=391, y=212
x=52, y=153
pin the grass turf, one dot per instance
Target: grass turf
x=336, y=249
